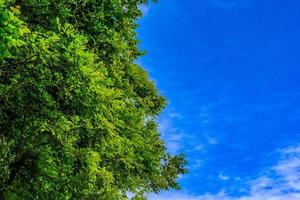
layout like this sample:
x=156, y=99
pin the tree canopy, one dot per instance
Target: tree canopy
x=77, y=113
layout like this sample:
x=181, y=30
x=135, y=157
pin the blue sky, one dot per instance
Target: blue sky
x=230, y=71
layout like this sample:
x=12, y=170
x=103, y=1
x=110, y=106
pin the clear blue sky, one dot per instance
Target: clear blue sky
x=230, y=70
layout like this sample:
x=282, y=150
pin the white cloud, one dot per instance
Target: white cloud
x=280, y=182
x=223, y=177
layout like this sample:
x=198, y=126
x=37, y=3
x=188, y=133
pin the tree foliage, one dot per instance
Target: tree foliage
x=77, y=114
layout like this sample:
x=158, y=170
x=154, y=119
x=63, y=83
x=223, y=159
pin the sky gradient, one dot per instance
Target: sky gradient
x=230, y=71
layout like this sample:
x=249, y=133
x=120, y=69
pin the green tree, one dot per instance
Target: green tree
x=77, y=114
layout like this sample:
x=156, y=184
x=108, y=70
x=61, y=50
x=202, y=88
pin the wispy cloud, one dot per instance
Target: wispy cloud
x=280, y=182
x=186, y=196
x=173, y=137
x=223, y=177
x=178, y=140
x=144, y=8
x=196, y=164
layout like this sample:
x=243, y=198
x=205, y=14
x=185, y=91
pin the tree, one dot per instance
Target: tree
x=77, y=114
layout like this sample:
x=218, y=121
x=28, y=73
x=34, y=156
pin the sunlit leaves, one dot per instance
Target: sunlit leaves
x=77, y=114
